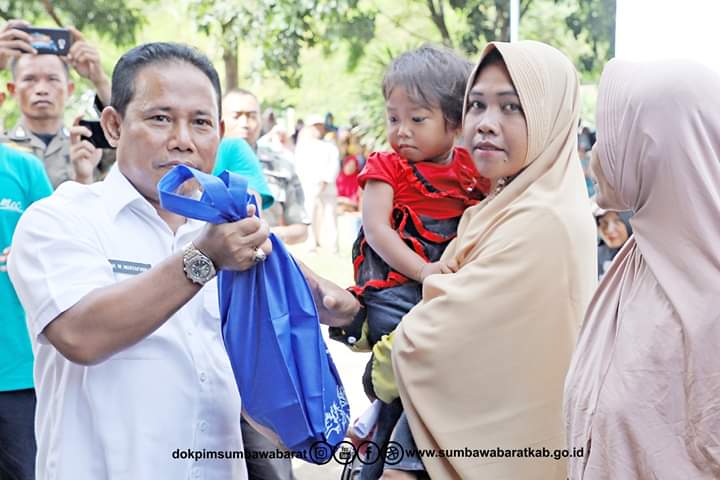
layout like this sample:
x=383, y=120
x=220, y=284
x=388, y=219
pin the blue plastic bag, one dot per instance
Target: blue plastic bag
x=287, y=381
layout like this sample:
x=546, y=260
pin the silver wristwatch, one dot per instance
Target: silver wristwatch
x=198, y=266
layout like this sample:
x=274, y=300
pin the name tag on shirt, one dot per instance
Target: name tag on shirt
x=128, y=268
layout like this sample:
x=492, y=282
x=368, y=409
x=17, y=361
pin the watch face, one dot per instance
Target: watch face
x=200, y=268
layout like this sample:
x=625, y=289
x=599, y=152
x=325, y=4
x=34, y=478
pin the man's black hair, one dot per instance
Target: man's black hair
x=14, y=61
x=240, y=91
x=127, y=68
x=433, y=77
x=244, y=92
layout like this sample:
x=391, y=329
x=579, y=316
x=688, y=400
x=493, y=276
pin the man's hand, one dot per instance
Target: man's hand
x=233, y=246
x=83, y=154
x=85, y=59
x=336, y=306
x=14, y=42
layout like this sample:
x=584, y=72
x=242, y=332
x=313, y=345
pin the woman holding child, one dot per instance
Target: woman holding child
x=480, y=361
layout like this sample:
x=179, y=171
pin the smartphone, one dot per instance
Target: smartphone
x=53, y=41
x=98, y=135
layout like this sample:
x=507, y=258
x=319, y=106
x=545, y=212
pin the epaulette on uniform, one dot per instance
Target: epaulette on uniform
x=17, y=139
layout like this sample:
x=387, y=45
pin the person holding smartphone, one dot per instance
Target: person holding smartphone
x=41, y=85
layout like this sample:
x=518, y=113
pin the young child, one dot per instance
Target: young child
x=412, y=200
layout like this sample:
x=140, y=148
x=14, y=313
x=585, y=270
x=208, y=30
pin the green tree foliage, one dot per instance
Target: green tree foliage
x=281, y=29
x=594, y=20
x=115, y=20
x=483, y=20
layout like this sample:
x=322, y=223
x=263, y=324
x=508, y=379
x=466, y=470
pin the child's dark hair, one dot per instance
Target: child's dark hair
x=433, y=77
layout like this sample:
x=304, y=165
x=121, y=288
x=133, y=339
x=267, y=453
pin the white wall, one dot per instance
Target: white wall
x=663, y=29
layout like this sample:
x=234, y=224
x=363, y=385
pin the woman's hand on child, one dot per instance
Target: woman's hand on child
x=449, y=266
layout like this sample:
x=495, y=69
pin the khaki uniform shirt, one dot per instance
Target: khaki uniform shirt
x=55, y=156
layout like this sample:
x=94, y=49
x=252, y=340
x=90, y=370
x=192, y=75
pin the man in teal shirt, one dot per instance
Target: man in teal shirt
x=22, y=181
x=236, y=155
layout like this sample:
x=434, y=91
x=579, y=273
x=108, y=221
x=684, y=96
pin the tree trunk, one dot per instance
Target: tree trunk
x=502, y=21
x=612, y=11
x=230, y=59
x=48, y=6
x=438, y=17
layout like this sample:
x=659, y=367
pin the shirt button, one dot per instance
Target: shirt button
x=196, y=473
x=203, y=426
x=203, y=377
x=189, y=333
x=352, y=340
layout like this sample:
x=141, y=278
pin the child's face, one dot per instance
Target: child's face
x=495, y=129
x=418, y=133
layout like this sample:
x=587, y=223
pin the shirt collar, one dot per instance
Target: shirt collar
x=21, y=131
x=119, y=193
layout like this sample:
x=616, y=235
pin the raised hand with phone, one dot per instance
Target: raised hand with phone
x=14, y=41
x=84, y=155
x=39, y=59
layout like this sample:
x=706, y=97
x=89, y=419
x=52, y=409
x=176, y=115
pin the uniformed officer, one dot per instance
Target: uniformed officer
x=41, y=85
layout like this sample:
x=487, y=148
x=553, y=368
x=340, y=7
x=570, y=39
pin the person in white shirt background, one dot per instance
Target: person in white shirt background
x=318, y=163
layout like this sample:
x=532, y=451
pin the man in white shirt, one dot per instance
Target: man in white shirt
x=318, y=165
x=122, y=308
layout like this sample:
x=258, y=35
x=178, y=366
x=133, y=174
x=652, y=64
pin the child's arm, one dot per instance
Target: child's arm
x=376, y=210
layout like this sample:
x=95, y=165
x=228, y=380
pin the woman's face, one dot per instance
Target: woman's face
x=606, y=196
x=495, y=130
x=613, y=230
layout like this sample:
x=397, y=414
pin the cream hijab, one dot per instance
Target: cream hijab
x=480, y=362
x=644, y=386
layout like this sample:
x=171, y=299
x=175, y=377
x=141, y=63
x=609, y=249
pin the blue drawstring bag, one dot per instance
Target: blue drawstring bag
x=288, y=383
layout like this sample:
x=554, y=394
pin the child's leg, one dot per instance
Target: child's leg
x=389, y=414
x=403, y=462
x=386, y=307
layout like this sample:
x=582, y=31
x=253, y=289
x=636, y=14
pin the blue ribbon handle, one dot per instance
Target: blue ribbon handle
x=224, y=198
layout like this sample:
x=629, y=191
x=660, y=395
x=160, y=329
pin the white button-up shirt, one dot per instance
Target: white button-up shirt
x=135, y=415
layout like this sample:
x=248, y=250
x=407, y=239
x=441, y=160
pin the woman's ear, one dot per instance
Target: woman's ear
x=110, y=120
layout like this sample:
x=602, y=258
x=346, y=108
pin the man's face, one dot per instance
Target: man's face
x=241, y=114
x=40, y=86
x=172, y=119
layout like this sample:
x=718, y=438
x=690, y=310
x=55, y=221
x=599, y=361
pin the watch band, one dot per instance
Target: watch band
x=198, y=267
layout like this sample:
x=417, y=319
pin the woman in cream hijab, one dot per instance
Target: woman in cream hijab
x=480, y=362
x=643, y=393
